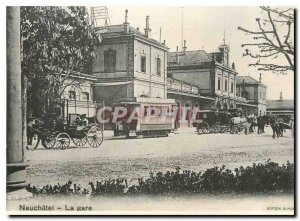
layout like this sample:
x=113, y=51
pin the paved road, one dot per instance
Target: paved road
x=133, y=158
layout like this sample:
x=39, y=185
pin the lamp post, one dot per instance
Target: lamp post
x=15, y=173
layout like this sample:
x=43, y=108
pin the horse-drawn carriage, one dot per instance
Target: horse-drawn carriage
x=52, y=133
x=54, y=130
x=218, y=121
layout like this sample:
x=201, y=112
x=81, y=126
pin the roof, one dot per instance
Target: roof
x=248, y=80
x=119, y=29
x=189, y=57
x=280, y=104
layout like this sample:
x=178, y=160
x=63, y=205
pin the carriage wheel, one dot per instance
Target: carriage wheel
x=34, y=142
x=198, y=128
x=215, y=129
x=49, y=141
x=227, y=129
x=79, y=141
x=203, y=128
x=234, y=129
x=241, y=129
x=95, y=136
x=63, y=141
x=223, y=129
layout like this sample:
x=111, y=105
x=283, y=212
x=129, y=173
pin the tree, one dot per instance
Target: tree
x=58, y=45
x=274, y=39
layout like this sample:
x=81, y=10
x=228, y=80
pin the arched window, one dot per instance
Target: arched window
x=143, y=63
x=158, y=66
x=72, y=95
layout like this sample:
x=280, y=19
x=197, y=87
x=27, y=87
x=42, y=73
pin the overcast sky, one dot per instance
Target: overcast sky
x=203, y=28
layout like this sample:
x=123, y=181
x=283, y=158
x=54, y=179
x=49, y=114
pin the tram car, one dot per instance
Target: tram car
x=149, y=117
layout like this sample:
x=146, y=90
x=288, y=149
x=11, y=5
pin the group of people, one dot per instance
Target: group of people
x=259, y=122
x=277, y=124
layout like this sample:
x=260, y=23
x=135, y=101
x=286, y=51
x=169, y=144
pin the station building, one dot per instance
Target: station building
x=254, y=92
x=283, y=108
x=129, y=65
x=210, y=72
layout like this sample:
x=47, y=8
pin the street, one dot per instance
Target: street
x=133, y=158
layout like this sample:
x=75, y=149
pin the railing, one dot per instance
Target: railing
x=182, y=87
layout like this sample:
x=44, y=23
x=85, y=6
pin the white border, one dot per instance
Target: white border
x=293, y=3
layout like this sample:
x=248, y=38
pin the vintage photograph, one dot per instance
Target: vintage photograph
x=131, y=110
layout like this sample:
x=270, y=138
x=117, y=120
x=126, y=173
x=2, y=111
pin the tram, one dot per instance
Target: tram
x=149, y=117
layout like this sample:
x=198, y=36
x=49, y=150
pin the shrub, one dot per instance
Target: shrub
x=256, y=178
x=109, y=187
x=65, y=189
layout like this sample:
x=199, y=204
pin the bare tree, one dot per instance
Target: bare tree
x=274, y=38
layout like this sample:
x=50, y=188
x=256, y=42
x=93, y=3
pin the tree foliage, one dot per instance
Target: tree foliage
x=274, y=38
x=58, y=43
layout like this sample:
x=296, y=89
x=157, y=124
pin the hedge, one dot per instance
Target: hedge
x=265, y=177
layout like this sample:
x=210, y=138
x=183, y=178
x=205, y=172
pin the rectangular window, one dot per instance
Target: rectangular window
x=225, y=84
x=85, y=96
x=72, y=95
x=219, y=83
x=145, y=110
x=158, y=66
x=143, y=63
x=232, y=86
x=110, y=57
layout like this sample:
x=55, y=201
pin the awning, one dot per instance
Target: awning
x=249, y=105
x=112, y=83
x=208, y=98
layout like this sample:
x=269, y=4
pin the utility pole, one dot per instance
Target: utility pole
x=103, y=105
x=15, y=173
x=181, y=27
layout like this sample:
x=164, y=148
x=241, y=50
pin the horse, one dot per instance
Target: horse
x=276, y=126
x=261, y=122
x=243, y=121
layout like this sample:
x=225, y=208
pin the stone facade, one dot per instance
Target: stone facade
x=283, y=108
x=78, y=96
x=129, y=65
x=209, y=72
x=254, y=92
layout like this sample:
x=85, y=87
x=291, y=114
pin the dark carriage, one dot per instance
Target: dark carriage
x=54, y=130
x=215, y=121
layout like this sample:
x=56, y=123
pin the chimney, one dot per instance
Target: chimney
x=260, y=78
x=184, y=47
x=160, y=35
x=280, y=98
x=177, y=55
x=164, y=43
x=244, y=89
x=233, y=66
x=147, y=29
x=126, y=24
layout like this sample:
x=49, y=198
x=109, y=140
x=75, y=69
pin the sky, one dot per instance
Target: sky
x=203, y=28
